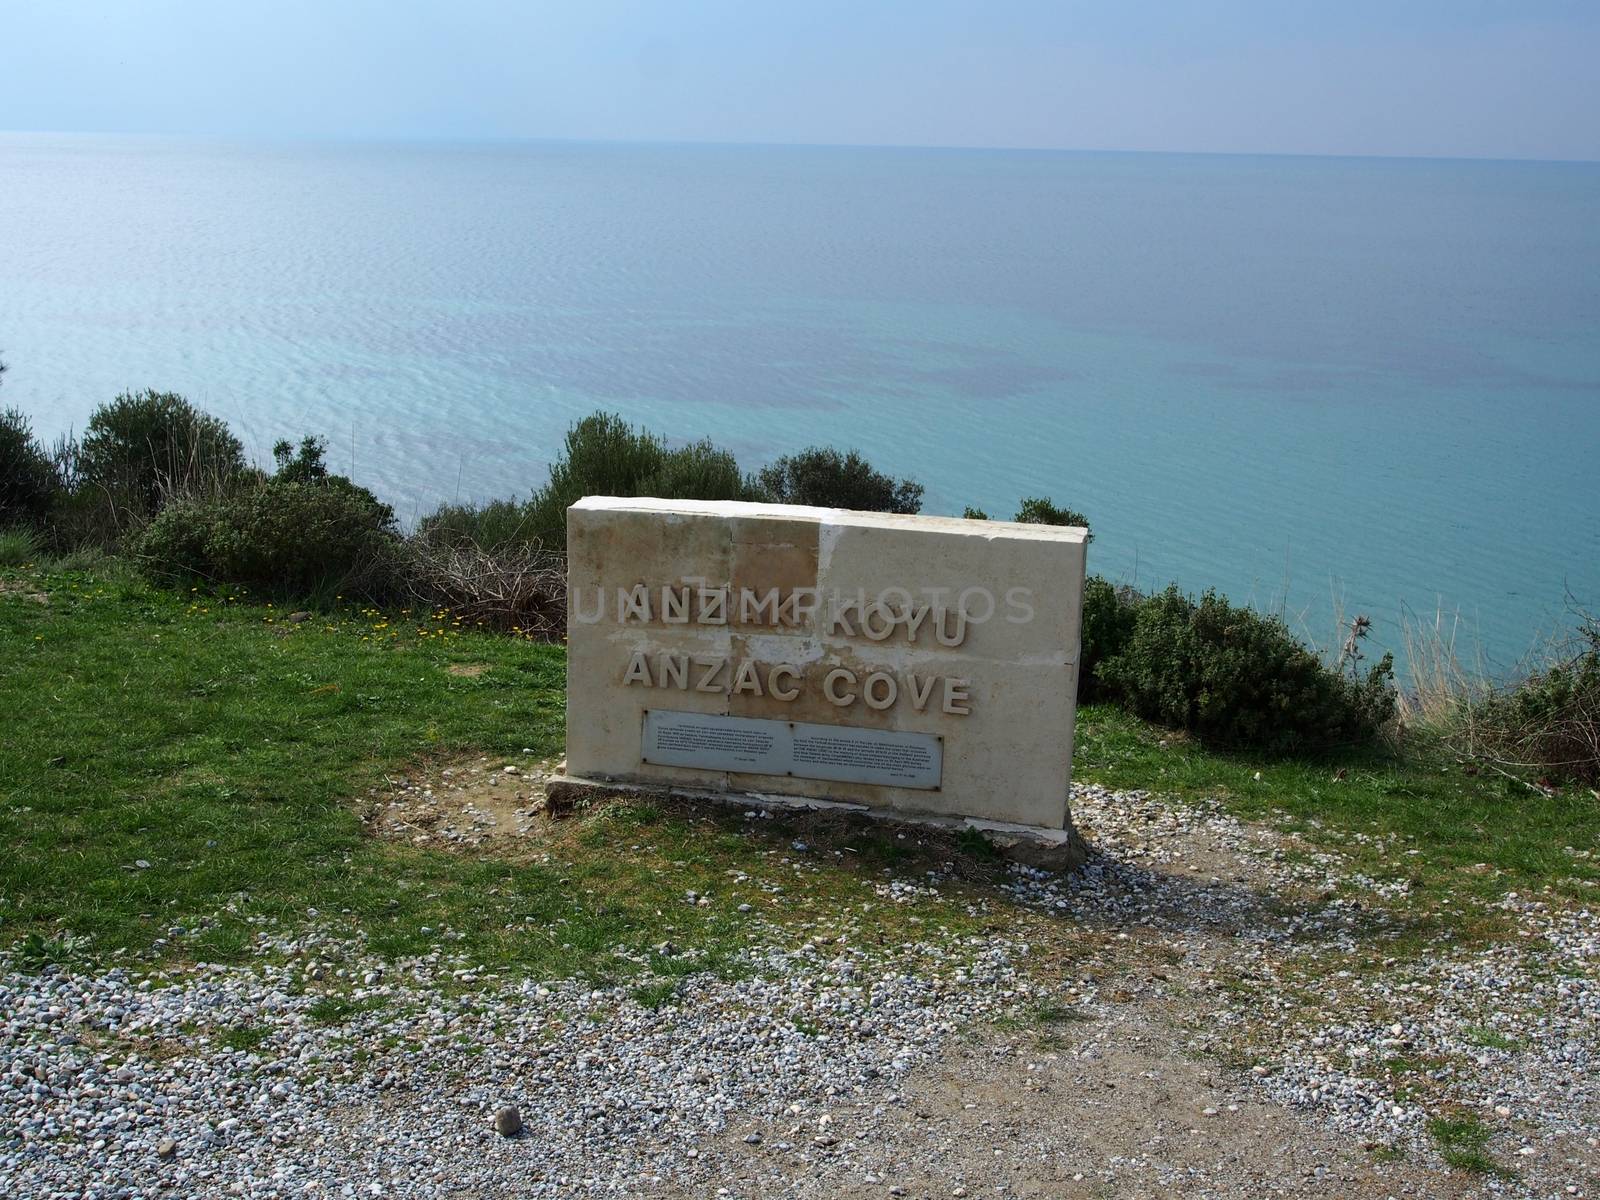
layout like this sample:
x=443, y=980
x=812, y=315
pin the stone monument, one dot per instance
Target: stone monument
x=909, y=668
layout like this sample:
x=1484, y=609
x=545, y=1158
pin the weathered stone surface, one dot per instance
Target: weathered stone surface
x=964, y=630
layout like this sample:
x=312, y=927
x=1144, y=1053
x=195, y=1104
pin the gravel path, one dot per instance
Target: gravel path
x=1194, y=1021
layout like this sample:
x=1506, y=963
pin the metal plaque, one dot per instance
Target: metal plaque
x=753, y=746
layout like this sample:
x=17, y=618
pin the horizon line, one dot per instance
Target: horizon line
x=549, y=139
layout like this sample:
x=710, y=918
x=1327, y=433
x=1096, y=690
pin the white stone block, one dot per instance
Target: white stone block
x=952, y=643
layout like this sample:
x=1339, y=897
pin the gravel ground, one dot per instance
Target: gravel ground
x=1195, y=1021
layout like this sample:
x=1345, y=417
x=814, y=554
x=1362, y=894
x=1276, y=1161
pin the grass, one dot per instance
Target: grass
x=17, y=546
x=1055, y=1014
x=245, y=1038
x=197, y=760
x=1463, y=1143
x=1489, y=1039
x=336, y=1009
x=1413, y=816
x=656, y=995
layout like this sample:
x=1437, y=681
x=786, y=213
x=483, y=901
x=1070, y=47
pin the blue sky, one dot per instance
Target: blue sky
x=1402, y=77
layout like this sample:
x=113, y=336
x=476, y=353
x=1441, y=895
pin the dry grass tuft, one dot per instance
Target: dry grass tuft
x=1542, y=727
x=518, y=588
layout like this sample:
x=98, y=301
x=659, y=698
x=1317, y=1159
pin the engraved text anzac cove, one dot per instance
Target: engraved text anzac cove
x=895, y=614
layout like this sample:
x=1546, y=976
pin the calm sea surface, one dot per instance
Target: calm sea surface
x=1315, y=384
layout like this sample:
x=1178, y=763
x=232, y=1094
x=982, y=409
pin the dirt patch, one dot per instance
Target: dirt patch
x=23, y=591
x=1094, y=1110
x=467, y=670
x=471, y=803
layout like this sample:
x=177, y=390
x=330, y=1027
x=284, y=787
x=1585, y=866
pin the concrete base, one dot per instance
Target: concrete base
x=1048, y=849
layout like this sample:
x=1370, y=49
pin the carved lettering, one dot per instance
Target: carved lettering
x=947, y=634
x=836, y=619
x=672, y=670
x=745, y=679
x=887, y=693
x=878, y=621
x=675, y=605
x=957, y=698
x=710, y=669
x=783, y=671
x=633, y=603
x=758, y=608
x=920, y=689
x=914, y=619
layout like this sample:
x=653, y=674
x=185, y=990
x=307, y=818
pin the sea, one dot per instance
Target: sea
x=1322, y=386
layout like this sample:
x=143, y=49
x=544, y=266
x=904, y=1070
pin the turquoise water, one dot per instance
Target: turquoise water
x=1315, y=384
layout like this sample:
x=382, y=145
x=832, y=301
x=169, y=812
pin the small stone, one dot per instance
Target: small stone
x=298, y=617
x=508, y=1121
x=167, y=1148
x=752, y=1139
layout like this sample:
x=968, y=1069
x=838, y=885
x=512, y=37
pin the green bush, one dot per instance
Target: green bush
x=1109, y=614
x=145, y=448
x=302, y=465
x=29, y=484
x=283, y=537
x=1039, y=510
x=603, y=456
x=698, y=471
x=1239, y=679
x=825, y=478
x=493, y=526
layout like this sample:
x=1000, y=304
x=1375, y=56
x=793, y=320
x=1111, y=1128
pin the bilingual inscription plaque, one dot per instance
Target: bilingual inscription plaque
x=717, y=743
x=792, y=749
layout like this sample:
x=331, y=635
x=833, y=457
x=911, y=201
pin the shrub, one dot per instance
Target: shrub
x=304, y=465
x=698, y=471
x=489, y=527
x=29, y=483
x=824, y=477
x=146, y=448
x=1038, y=510
x=1239, y=679
x=282, y=536
x=603, y=456
x=1109, y=614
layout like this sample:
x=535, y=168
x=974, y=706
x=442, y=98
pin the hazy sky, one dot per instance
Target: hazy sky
x=1429, y=77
